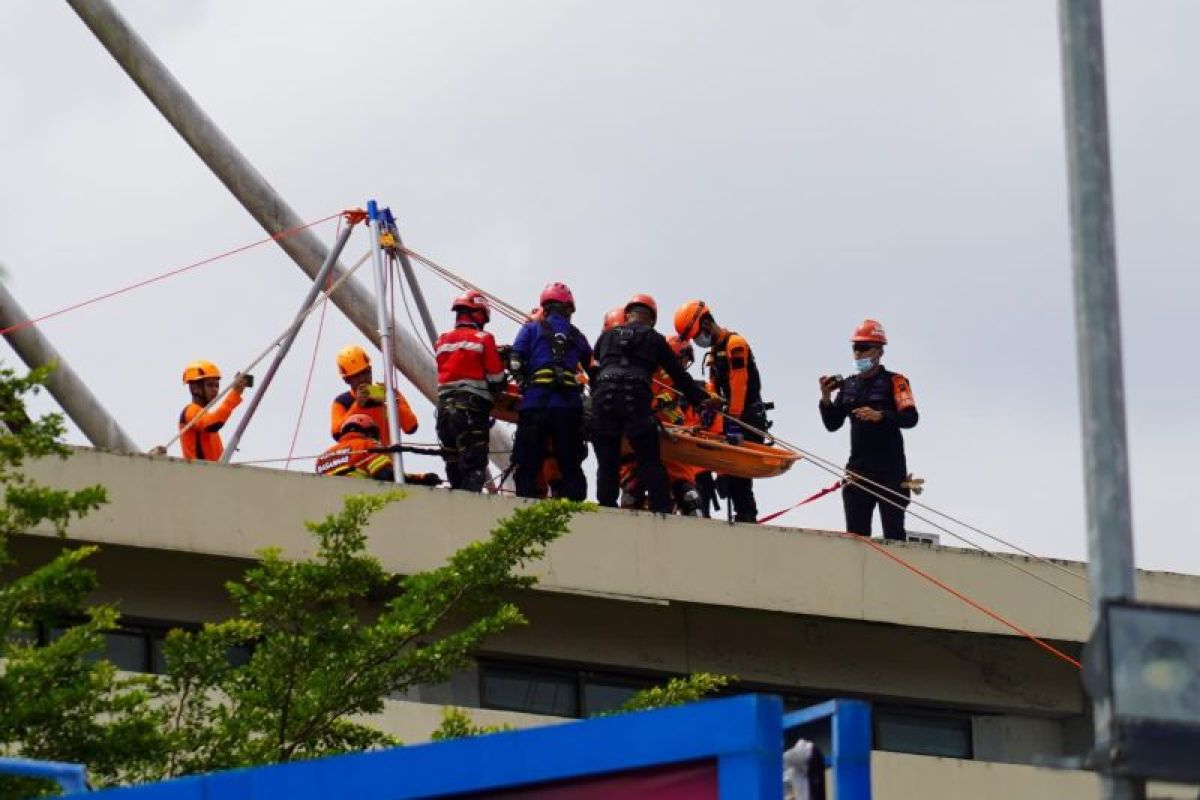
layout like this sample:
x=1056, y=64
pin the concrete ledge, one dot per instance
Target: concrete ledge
x=169, y=504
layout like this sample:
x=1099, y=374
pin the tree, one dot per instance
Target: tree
x=320, y=659
x=56, y=701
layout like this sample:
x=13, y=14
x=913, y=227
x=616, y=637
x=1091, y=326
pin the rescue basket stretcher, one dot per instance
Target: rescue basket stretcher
x=700, y=448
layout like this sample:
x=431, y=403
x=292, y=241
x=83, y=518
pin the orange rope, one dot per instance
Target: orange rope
x=1049, y=648
x=178, y=271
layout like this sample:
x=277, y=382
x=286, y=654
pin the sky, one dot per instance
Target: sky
x=799, y=165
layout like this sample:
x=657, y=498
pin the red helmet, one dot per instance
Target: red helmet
x=361, y=423
x=643, y=300
x=473, y=301
x=557, y=293
x=869, y=331
x=614, y=317
x=688, y=317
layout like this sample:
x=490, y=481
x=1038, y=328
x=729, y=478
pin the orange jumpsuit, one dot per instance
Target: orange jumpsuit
x=351, y=457
x=347, y=403
x=202, y=441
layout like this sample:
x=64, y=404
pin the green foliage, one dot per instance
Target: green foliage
x=457, y=724
x=677, y=691
x=322, y=657
x=57, y=701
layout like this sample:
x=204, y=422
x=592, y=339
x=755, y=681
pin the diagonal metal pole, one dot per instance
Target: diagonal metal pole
x=253, y=191
x=410, y=276
x=64, y=385
x=1098, y=343
x=286, y=345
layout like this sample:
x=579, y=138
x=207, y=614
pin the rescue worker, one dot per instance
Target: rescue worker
x=879, y=404
x=201, y=441
x=627, y=358
x=366, y=397
x=734, y=376
x=356, y=454
x=546, y=359
x=470, y=376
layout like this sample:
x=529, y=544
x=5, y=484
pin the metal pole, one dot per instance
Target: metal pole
x=253, y=191
x=64, y=385
x=386, y=325
x=286, y=344
x=1098, y=339
x=410, y=276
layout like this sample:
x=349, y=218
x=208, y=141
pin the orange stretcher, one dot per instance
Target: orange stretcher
x=693, y=446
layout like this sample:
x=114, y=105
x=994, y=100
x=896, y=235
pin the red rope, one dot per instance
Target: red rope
x=178, y=271
x=908, y=565
x=809, y=499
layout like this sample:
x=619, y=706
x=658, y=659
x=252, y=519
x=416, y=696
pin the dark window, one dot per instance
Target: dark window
x=602, y=694
x=923, y=733
x=534, y=690
x=128, y=650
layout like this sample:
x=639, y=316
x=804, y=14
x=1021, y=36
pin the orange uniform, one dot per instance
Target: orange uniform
x=352, y=457
x=202, y=441
x=346, y=404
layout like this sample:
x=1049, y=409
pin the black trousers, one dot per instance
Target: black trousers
x=860, y=505
x=622, y=410
x=562, y=430
x=740, y=491
x=462, y=430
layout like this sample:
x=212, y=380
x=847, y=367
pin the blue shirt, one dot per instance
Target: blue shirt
x=533, y=347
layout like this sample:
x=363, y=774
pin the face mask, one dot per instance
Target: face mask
x=704, y=339
x=863, y=364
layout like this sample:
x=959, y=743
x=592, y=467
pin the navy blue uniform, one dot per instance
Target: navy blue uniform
x=876, y=448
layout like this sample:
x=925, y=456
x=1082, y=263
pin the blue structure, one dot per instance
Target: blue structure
x=71, y=777
x=732, y=748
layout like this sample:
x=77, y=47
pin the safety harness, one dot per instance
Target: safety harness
x=555, y=375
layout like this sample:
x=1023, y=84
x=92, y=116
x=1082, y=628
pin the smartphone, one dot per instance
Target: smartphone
x=249, y=381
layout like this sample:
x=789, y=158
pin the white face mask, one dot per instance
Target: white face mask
x=704, y=339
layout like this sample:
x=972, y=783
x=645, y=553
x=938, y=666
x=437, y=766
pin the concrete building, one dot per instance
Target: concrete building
x=963, y=706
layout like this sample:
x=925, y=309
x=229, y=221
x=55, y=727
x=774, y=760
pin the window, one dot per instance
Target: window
x=602, y=693
x=924, y=733
x=137, y=645
x=534, y=690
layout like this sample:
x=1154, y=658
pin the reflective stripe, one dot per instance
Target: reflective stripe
x=451, y=347
x=495, y=377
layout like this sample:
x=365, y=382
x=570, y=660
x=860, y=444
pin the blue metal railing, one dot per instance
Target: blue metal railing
x=71, y=777
x=850, y=723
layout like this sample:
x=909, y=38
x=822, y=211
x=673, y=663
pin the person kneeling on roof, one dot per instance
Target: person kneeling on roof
x=626, y=359
x=200, y=437
x=366, y=397
x=470, y=375
x=546, y=359
x=357, y=452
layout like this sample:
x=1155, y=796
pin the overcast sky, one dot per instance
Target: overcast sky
x=799, y=165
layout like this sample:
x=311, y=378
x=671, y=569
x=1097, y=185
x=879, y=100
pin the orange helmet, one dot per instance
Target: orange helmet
x=199, y=371
x=473, y=301
x=361, y=423
x=869, y=331
x=643, y=300
x=352, y=360
x=614, y=317
x=688, y=318
x=682, y=348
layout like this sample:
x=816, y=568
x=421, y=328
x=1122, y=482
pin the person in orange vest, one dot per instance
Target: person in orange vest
x=734, y=375
x=201, y=437
x=365, y=397
x=879, y=405
x=470, y=375
x=356, y=453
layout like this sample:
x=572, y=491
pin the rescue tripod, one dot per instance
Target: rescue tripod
x=386, y=249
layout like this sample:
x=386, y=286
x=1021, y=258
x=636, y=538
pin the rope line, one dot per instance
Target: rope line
x=908, y=565
x=312, y=365
x=163, y=276
x=303, y=315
